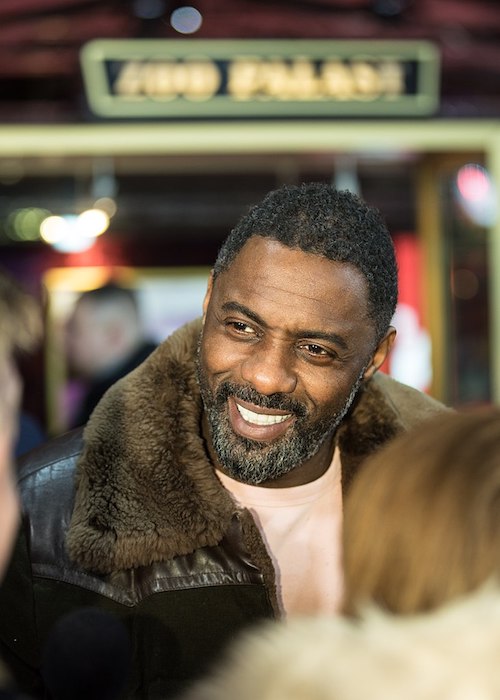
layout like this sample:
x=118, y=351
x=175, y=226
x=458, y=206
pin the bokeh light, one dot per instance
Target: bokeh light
x=92, y=222
x=465, y=284
x=71, y=233
x=476, y=194
x=473, y=182
x=106, y=204
x=24, y=224
x=148, y=9
x=186, y=19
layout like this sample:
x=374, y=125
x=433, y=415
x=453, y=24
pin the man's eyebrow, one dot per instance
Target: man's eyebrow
x=307, y=334
x=242, y=309
x=329, y=337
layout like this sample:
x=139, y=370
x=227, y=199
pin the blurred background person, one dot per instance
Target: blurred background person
x=105, y=340
x=20, y=329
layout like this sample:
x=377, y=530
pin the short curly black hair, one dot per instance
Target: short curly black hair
x=337, y=224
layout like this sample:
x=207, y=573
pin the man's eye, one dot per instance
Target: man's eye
x=241, y=328
x=316, y=350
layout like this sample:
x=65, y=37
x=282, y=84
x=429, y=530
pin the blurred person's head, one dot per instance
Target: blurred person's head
x=20, y=329
x=103, y=330
x=422, y=518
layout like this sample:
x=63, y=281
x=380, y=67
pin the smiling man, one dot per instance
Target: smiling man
x=210, y=480
x=282, y=361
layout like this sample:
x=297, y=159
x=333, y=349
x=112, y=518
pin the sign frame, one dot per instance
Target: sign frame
x=100, y=57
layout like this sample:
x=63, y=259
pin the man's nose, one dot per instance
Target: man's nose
x=269, y=369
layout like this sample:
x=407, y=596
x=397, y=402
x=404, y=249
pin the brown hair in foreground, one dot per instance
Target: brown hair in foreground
x=422, y=519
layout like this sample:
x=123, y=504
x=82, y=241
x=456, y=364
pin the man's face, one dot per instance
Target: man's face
x=285, y=345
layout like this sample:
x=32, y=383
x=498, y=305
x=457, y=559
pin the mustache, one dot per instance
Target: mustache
x=280, y=402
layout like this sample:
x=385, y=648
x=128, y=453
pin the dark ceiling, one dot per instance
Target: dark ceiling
x=40, y=40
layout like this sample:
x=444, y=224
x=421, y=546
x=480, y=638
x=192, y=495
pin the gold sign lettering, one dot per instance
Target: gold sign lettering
x=302, y=79
x=197, y=79
x=262, y=79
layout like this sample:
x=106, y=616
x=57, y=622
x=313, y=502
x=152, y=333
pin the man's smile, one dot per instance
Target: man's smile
x=259, y=415
x=257, y=423
x=261, y=418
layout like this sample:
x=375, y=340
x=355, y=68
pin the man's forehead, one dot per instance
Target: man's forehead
x=288, y=289
x=267, y=248
x=268, y=262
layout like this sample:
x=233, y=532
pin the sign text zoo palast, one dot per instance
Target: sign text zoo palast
x=282, y=78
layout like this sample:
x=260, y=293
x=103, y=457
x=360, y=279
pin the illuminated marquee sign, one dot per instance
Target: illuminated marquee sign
x=200, y=79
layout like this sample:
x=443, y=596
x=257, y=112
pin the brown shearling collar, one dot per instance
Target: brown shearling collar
x=146, y=490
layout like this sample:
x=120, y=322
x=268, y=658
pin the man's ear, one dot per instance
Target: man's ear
x=208, y=294
x=381, y=353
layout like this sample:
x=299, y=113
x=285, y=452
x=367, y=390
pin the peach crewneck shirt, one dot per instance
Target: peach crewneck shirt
x=302, y=527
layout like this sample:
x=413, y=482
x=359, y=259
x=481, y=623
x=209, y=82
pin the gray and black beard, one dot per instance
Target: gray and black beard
x=253, y=462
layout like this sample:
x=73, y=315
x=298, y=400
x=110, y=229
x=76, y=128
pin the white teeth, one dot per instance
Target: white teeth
x=261, y=418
